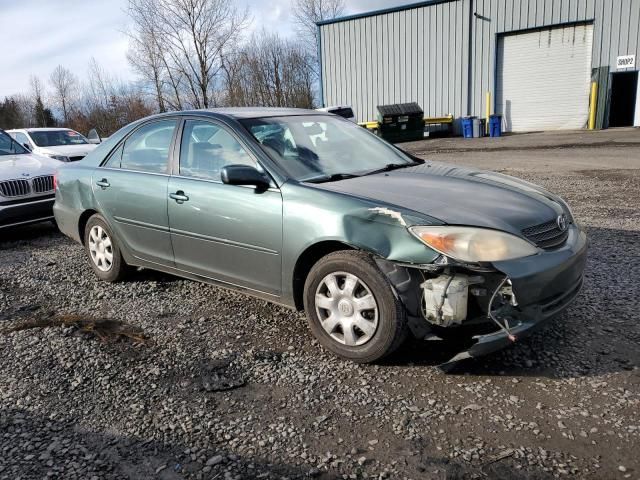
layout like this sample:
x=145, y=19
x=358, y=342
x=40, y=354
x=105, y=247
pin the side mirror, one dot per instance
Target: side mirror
x=94, y=137
x=244, y=175
x=27, y=146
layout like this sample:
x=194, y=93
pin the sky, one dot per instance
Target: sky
x=38, y=35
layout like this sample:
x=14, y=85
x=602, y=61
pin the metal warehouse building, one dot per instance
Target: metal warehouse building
x=537, y=58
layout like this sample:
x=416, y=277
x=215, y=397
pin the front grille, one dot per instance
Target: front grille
x=546, y=235
x=15, y=188
x=75, y=159
x=43, y=184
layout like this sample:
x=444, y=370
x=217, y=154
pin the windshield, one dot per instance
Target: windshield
x=52, y=138
x=8, y=146
x=312, y=147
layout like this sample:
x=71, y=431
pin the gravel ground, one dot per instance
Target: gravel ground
x=202, y=383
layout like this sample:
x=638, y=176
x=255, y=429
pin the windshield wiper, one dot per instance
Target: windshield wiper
x=393, y=166
x=331, y=178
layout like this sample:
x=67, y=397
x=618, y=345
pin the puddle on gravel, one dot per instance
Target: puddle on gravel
x=104, y=329
x=221, y=375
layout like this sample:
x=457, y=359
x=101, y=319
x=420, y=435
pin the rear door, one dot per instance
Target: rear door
x=229, y=233
x=131, y=189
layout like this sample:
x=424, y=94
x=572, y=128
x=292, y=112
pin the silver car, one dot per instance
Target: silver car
x=26, y=184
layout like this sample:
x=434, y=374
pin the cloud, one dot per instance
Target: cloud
x=273, y=15
x=38, y=35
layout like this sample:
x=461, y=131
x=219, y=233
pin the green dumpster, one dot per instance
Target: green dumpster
x=401, y=122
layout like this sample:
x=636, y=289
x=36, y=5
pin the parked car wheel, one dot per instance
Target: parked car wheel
x=352, y=309
x=103, y=251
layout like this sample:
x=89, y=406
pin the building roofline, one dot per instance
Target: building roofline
x=382, y=11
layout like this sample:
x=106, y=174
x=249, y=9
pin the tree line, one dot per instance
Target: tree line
x=186, y=54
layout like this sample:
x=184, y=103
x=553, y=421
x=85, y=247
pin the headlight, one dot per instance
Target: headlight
x=469, y=244
x=62, y=158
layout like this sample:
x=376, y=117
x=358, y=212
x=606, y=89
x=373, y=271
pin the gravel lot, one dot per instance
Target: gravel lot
x=80, y=400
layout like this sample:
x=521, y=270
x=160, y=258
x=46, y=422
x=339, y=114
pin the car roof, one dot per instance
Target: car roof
x=332, y=107
x=254, y=112
x=49, y=129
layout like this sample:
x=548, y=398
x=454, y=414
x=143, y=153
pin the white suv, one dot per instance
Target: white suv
x=62, y=144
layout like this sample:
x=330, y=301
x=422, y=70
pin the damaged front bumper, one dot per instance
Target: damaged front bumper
x=543, y=284
x=528, y=320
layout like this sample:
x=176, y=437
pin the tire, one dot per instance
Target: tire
x=337, y=326
x=105, y=259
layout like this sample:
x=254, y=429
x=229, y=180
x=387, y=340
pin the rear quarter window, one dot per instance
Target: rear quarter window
x=147, y=149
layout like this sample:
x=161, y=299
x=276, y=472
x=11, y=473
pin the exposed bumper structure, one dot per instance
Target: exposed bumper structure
x=14, y=213
x=544, y=285
x=530, y=320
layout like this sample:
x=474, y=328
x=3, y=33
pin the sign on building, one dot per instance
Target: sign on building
x=626, y=61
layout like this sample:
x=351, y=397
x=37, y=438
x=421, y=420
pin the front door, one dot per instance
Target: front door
x=131, y=190
x=229, y=233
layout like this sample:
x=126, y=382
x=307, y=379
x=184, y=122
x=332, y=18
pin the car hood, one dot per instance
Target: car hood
x=457, y=196
x=67, y=150
x=26, y=166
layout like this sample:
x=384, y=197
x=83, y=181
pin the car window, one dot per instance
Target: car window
x=21, y=138
x=147, y=149
x=311, y=147
x=8, y=146
x=52, y=138
x=206, y=148
x=114, y=159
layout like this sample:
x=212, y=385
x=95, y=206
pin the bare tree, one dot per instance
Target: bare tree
x=187, y=41
x=99, y=84
x=306, y=13
x=26, y=106
x=37, y=88
x=42, y=115
x=269, y=71
x=109, y=103
x=147, y=57
x=64, y=84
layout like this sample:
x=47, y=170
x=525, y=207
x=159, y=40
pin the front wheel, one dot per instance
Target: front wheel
x=103, y=252
x=352, y=308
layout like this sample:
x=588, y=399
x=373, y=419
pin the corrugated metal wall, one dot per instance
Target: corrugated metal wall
x=422, y=53
x=416, y=54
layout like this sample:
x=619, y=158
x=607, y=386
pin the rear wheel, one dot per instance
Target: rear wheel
x=103, y=252
x=352, y=309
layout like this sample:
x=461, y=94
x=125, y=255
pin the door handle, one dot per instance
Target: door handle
x=104, y=183
x=179, y=196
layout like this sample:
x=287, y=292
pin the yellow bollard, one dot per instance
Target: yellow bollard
x=592, y=105
x=488, y=112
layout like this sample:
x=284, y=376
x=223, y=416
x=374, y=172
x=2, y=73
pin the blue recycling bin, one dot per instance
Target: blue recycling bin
x=467, y=127
x=495, y=125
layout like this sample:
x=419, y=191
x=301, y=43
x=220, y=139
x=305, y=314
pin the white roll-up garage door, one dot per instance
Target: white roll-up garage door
x=543, y=79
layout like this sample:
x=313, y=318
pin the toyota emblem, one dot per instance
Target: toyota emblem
x=562, y=222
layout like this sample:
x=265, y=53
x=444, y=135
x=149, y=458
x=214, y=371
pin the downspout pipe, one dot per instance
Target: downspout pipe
x=470, y=62
x=319, y=50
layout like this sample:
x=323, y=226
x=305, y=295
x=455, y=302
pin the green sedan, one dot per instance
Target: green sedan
x=309, y=210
